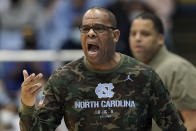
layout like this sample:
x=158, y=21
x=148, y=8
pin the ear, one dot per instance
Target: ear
x=161, y=39
x=116, y=34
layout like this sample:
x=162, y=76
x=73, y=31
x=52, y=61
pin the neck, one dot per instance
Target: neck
x=148, y=59
x=146, y=62
x=106, y=65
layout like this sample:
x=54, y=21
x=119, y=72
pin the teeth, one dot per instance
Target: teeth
x=92, y=52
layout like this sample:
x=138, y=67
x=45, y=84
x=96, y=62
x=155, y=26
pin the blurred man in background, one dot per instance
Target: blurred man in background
x=178, y=75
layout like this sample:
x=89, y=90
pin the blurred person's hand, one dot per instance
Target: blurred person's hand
x=30, y=88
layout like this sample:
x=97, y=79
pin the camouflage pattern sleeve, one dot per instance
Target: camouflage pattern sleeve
x=49, y=112
x=25, y=117
x=163, y=110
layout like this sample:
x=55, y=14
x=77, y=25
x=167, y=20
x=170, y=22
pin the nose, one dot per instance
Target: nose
x=92, y=33
x=138, y=37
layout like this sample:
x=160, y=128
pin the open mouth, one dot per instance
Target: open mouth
x=93, y=49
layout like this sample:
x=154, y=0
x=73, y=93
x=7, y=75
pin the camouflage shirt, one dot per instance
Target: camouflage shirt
x=126, y=97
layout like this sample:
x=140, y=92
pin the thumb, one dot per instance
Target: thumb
x=25, y=74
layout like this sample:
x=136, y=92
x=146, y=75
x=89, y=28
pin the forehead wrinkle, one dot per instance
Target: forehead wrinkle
x=98, y=15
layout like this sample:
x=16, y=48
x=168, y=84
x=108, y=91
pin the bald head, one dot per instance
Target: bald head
x=111, y=17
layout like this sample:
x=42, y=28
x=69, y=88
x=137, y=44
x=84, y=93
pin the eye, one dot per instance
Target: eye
x=145, y=33
x=133, y=33
x=99, y=28
x=85, y=28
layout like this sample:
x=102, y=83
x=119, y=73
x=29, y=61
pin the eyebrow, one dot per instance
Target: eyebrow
x=92, y=25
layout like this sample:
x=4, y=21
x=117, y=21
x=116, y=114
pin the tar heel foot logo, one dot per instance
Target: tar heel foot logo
x=104, y=90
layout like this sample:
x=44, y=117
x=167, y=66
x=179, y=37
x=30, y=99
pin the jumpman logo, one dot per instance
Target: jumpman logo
x=128, y=78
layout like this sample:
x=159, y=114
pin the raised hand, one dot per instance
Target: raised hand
x=30, y=88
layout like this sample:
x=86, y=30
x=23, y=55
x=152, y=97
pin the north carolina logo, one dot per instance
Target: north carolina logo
x=104, y=90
